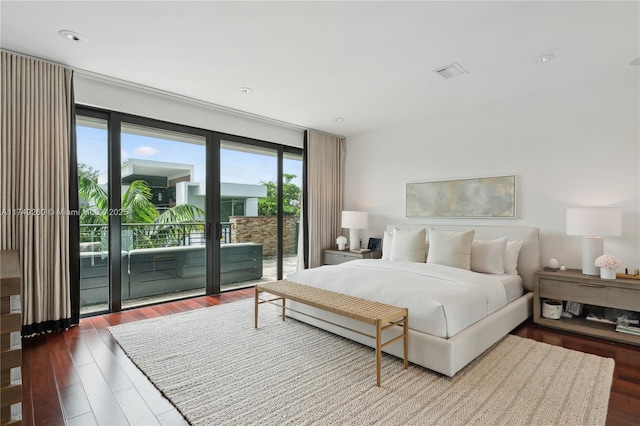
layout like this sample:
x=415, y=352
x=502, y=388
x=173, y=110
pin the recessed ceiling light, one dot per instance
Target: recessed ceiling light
x=340, y=119
x=543, y=59
x=635, y=62
x=245, y=90
x=72, y=36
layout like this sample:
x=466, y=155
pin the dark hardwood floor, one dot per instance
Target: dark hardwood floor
x=82, y=377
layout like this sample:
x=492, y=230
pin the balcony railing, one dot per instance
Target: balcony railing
x=151, y=235
x=160, y=261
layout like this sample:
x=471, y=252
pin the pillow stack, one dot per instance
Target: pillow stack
x=455, y=249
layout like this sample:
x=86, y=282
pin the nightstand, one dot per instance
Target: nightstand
x=573, y=286
x=335, y=257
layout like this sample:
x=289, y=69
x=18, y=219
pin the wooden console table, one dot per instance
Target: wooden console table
x=381, y=315
x=10, y=343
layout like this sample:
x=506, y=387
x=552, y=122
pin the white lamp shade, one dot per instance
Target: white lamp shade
x=354, y=220
x=602, y=222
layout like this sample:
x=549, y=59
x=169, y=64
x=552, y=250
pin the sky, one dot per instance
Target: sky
x=236, y=166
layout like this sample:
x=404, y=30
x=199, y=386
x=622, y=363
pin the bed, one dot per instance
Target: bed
x=455, y=314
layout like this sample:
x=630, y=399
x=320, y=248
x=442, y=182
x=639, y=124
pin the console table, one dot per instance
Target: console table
x=574, y=286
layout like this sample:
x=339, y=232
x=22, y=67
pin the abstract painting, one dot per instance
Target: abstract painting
x=491, y=197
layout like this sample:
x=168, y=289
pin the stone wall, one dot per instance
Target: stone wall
x=264, y=230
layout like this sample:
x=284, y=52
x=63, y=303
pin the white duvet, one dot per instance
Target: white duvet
x=442, y=301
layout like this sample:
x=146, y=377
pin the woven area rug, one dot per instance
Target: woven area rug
x=217, y=369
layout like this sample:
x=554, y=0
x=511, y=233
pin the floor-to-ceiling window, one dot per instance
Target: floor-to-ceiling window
x=162, y=180
x=248, y=253
x=291, y=205
x=93, y=192
x=259, y=240
x=142, y=210
x=169, y=211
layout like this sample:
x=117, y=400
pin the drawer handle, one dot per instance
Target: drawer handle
x=591, y=285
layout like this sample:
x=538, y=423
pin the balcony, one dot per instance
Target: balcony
x=167, y=261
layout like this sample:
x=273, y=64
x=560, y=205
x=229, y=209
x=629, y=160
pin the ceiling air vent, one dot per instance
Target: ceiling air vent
x=451, y=71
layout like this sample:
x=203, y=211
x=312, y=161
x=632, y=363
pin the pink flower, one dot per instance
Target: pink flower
x=607, y=261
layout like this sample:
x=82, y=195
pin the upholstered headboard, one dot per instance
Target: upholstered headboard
x=529, y=258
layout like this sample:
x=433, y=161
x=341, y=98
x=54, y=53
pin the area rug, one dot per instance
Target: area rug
x=217, y=369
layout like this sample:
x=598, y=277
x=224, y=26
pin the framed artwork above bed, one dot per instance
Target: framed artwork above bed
x=488, y=197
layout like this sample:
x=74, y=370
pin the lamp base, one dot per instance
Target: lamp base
x=592, y=247
x=354, y=239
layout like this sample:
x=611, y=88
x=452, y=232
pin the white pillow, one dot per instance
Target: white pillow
x=450, y=248
x=488, y=256
x=511, y=252
x=387, y=240
x=408, y=246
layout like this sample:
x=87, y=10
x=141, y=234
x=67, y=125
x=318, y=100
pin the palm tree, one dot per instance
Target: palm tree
x=168, y=229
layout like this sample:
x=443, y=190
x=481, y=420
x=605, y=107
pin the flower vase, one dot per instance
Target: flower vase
x=608, y=273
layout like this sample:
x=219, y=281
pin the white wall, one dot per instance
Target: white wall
x=126, y=97
x=579, y=146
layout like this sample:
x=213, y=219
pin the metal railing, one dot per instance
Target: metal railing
x=151, y=235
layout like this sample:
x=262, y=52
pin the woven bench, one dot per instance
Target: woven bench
x=381, y=315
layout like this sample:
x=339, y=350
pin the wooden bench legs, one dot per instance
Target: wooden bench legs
x=404, y=322
x=380, y=326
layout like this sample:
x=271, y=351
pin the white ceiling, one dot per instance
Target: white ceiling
x=310, y=62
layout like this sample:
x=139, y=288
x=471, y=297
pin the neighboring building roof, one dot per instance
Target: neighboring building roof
x=134, y=169
x=158, y=174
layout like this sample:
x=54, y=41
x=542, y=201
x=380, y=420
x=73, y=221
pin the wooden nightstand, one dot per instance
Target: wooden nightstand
x=573, y=286
x=335, y=257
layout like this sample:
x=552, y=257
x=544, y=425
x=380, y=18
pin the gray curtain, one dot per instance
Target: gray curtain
x=34, y=185
x=325, y=168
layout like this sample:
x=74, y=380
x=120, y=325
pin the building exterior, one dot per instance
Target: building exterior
x=171, y=184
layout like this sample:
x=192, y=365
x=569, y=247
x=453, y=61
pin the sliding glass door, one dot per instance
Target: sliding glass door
x=169, y=211
x=249, y=247
x=260, y=190
x=143, y=209
x=93, y=194
x=162, y=214
x=291, y=210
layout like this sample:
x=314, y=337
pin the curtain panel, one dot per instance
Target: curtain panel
x=325, y=168
x=34, y=185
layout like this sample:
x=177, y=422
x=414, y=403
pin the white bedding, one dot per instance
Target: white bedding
x=512, y=285
x=442, y=300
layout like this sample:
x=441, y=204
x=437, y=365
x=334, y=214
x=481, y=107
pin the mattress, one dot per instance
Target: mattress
x=442, y=301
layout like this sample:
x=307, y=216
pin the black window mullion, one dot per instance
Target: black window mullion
x=280, y=219
x=74, y=220
x=115, y=224
x=213, y=220
x=305, y=204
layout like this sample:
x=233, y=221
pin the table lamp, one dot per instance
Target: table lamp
x=354, y=221
x=593, y=224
